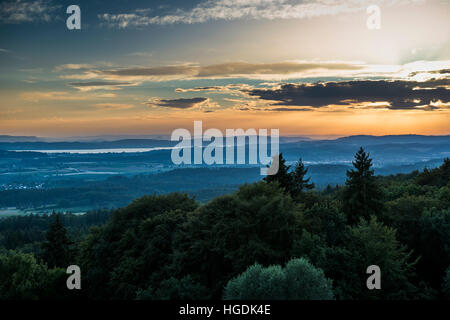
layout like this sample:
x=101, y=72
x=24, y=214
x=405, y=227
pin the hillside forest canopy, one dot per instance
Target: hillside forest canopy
x=278, y=238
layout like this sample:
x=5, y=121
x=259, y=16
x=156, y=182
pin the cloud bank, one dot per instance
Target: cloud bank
x=229, y=10
x=14, y=12
x=395, y=94
x=94, y=85
x=230, y=70
x=182, y=103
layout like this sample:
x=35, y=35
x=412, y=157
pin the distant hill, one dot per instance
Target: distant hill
x=8, y=142
x=109, y=137
x=406, y=138
x=385, y=150
x=290, y=139
x=6, y=138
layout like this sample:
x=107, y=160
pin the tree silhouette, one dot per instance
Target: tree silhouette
x=362, y=196
x=293, y=182
x=56, y=251
x=283, y=176
x=300, y=183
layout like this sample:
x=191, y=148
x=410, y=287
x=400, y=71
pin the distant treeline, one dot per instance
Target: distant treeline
x=26, y=233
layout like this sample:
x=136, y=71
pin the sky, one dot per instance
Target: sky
x=305, y=67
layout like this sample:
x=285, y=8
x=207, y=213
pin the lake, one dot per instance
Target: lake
x=87, y=151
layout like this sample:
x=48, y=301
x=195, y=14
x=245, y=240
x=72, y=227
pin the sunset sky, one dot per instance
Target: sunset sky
x=306, y=67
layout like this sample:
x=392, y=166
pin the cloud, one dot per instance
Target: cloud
x=183, y=103
x=287, y=109
x=18, y=11
x=72, y=66
x=105, y=85
x=213, y=10
x=141, y=54
x=201, y=89
x=5, y=50
x=274, y=71
x=178, y=70
x=230, y=89
x=396, y=94
x=440, y=71
x=247, y=70
x=98, y=83
x=230, y=70
x=281, y=68
x=88, y=75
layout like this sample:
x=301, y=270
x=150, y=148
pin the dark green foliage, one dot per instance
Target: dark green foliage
x=23, y=278
x=365, y=244
x=57, y=250
x=439, y=177
x=362, y=196
x=133, y=251
x=374, y=243
x=283, y=176
x=185, y=288
x=446, y=284
x=172, y=247
x=336, y=261
x=259, y=223
x=301, y=183
x=421, y=216
x=26, y=233
x=433, y=245
x=299, y=280
x=325, y=219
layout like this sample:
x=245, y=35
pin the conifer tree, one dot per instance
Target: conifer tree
x=362, y=196
x=283, y=176
x=56, y=251
x=300, y=183
x=292, y=181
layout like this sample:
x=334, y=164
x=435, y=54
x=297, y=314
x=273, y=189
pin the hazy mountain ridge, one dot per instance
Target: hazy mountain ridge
x=34, y=143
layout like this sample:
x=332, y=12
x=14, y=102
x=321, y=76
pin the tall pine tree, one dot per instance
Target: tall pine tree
x=300, y=183
x=292, y=181
x=362, y=196
x=283, y=176
x=57, y=251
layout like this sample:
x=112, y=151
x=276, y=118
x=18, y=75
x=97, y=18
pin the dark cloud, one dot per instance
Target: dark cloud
x=197, y=89
x=183, y=103
x=399, y=94
x=288, y=109
x=441, y=71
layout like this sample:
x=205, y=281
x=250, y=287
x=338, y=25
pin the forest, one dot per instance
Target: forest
x=279, y=239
